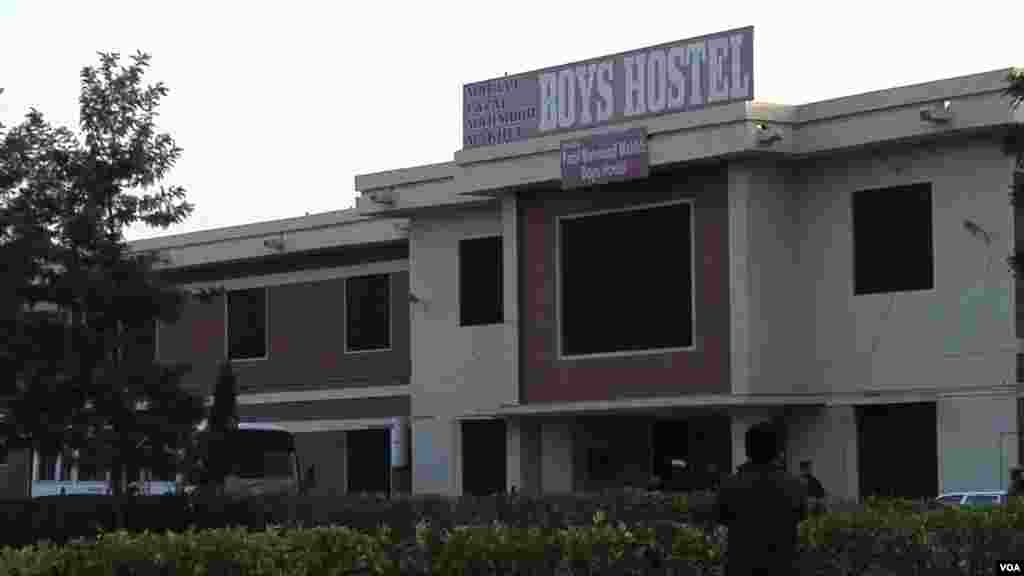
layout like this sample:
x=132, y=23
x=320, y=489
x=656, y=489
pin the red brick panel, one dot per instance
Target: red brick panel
x=705, y=370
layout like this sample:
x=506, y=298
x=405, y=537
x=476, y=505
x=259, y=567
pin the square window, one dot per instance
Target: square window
x=247, y=324
x=892, y=240
x=480, y=281
x=368, y=313
x=626, y=280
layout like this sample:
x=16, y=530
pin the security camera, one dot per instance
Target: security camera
x=414, y=298
x=938, y=114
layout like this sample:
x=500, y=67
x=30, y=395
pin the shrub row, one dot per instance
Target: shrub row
x=62, y=518
x=879, y=538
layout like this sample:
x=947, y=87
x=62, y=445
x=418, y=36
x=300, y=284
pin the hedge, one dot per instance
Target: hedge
x=878, y=538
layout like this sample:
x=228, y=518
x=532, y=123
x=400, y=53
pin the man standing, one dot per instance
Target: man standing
x=761, y=505
x=1016, y=482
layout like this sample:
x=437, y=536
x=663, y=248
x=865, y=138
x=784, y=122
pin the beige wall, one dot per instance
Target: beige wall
x=977, y=442
x=956, y=335
x=456, y=369
x=770, y=310
x=797, y=325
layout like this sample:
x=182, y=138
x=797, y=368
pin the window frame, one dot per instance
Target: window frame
x=391, y=314
x=266, y=324
x=853, y=238
x=693, y=347
x=458, y=283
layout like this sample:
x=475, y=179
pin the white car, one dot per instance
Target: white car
x=973, y=498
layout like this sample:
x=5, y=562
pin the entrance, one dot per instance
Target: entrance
x=897, y=450
x=693, y=453
x=483, y=457
x=368, y=463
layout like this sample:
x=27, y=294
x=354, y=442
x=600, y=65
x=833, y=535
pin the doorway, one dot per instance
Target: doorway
x=483, y=457
x=897, y=450
x=368, y=463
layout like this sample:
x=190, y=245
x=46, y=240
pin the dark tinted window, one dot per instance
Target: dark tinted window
x=368, y=312
x=480, y=277
x=892, y=239
x=247, y=323
x=626, y=281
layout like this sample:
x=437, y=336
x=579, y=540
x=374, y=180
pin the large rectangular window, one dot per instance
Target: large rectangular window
x=480, y=278
x=892, y=239
x=247, y=324
x=368, y=313
x=626, y=280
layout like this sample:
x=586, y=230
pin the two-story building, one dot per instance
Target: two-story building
x=836, y=267
x=313, y=317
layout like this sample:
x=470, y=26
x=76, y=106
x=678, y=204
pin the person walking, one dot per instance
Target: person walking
x=761, y=505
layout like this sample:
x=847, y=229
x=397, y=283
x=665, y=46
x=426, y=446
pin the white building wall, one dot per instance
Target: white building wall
x=958, y=335
x=455, y=370
x=977, y=442
x=771, y=316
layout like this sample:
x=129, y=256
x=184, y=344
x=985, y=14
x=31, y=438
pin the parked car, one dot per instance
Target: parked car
x=973, y=498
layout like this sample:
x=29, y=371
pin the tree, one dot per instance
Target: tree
x=76, y=305
x=222, y=420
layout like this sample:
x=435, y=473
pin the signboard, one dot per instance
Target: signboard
x=664, y=79
x=611, y=157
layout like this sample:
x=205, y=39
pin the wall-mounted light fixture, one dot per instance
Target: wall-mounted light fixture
x=275, y=244
x=767, y=134
x=941, y=113
x=385, y=196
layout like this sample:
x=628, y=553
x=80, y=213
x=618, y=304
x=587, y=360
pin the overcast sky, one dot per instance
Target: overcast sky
x=278, y=105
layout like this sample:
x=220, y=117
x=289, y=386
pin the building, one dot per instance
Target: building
x=836, y=267
x=314, y=319
x=505, y=320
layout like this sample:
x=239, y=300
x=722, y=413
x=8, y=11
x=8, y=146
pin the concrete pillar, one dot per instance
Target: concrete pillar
x=740, y=184
x=826, y=436
x=556, y=456
x=523, y=453
x=434, y=455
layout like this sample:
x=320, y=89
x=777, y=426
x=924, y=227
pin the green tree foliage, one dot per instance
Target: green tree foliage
x=222, y=420
x=77, y=307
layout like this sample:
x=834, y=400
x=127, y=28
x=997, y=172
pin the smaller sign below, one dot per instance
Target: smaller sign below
x=604, y=158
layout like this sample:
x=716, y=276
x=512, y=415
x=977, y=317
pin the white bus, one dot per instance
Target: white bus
x=263, y=461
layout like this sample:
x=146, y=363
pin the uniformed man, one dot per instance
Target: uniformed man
x=762, y=505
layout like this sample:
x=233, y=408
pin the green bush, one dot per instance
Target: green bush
x=541, y=536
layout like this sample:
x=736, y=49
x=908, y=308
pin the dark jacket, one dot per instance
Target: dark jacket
x=814, y=487
x=762, y=506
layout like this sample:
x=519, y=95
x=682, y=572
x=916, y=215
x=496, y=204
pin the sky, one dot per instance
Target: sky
x=278, y=105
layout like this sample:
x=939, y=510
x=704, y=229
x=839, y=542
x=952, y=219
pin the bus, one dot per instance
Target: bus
x=263, y=461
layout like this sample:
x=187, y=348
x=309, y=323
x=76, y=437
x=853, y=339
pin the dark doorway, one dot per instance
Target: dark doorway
x=897, y=450
x=368, y=463
x=703, y=443
x=483, y=457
